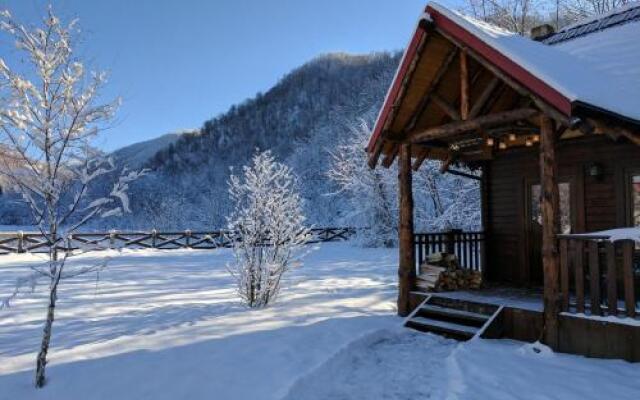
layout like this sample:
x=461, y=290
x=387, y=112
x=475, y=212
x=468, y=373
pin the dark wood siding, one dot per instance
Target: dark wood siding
x=596, y=203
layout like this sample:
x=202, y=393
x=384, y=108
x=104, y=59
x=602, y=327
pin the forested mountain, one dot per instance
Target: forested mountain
x=298, y=120
x=316, y=118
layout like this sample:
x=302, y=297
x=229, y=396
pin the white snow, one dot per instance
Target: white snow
x=167, y=325
x=578, y=79
x=614, y=235
x=614, y=51
x=401, y=364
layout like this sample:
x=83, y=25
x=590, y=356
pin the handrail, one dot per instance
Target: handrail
x=467, y=246
x=598, y=276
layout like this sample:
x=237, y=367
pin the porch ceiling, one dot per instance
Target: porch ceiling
x=455, y=105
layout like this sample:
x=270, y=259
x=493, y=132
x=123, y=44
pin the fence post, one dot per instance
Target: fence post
x=450, y=240
x=20, y=242
x=154, y=237
x=187, y=235
x=68, y=249
x=112, y=239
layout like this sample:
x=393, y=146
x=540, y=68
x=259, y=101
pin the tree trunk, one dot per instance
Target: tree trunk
x=406, y=267
x=41, y=361
x=549, y=206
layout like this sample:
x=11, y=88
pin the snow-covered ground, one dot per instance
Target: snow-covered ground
x=166, y=325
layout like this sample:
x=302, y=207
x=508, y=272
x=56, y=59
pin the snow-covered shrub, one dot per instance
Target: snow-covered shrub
x=267, y=228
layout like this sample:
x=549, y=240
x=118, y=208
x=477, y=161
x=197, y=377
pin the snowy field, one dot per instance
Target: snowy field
x=167, y=325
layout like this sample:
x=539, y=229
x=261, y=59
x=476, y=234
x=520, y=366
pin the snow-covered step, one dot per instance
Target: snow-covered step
x=454, y=313
x=457, y=331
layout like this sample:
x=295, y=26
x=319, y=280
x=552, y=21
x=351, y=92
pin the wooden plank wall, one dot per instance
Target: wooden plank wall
x=598, y=203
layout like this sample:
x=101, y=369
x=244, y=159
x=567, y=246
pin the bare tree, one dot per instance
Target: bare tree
x=514, y=15
x=576, y=10
x=49, y=117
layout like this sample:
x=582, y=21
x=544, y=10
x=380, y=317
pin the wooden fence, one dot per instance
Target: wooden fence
x=31, y=242
x=599, y=277
x=467, y=246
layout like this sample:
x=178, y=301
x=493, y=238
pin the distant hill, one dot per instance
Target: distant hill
x=299, y=119
x=139, y=154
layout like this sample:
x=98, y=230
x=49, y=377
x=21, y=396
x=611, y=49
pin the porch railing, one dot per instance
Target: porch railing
x=467, y=246
x=599, y=277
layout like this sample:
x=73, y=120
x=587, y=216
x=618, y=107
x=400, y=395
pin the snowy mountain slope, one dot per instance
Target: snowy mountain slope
x=138, y=154
x=298, y=120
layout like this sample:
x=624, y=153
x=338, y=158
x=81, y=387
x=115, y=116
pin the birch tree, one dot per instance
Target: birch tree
x=267, y=228
x=50, y=114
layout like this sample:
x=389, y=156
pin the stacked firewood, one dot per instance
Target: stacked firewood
x=442, y=272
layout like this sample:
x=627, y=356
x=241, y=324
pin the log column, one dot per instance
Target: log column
x=549, y=206
x=406, y=266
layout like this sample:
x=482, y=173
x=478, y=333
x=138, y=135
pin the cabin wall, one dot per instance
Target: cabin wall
x=596, y=203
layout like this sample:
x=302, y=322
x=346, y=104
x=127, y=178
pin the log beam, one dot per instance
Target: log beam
x=406, y=266
x=483, y=98
x=601, y=127
x=432, y=88
x=374, y=156
x=446, y=107
x=485, y=121
x=520, y=89
x=387, y=161
x=550, y=206
x=464, y=85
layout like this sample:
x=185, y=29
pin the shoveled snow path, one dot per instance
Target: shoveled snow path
x=401, y=364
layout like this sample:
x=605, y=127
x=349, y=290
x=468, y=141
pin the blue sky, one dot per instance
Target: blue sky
x=178, y=63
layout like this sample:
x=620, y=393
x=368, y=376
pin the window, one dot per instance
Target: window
x=635, y=200
x=565, y=205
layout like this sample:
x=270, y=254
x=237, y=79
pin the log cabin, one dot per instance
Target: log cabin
x=550, y=126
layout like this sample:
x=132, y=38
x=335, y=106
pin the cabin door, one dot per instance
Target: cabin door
x=534, y=227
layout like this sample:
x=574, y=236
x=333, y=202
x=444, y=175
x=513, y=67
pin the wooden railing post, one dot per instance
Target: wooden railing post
x=187, y=235
x=154, y=238
x=627, y=275
x=112, y=239
x=612, y=284
x=564, y=273
x=450, y=241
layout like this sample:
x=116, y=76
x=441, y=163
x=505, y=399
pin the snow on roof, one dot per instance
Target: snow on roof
x=578, y=78
x=614, y=51
x=621, y=15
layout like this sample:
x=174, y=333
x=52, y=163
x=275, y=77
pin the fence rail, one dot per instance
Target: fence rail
x=599, y=277
x=467, y=246
x=35, y=242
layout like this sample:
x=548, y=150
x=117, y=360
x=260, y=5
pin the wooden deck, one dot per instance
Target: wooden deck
x=519, y=316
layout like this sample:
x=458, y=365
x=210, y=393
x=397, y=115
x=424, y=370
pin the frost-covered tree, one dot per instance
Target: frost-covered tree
x=267, y=228
x=371, y=192
x=49, y=116
x=441, y=201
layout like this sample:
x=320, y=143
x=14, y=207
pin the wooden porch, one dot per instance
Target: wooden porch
x=599, y=290
x=551, y=164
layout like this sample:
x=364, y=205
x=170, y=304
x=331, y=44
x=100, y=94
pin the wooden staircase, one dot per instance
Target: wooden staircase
x=457, y=319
